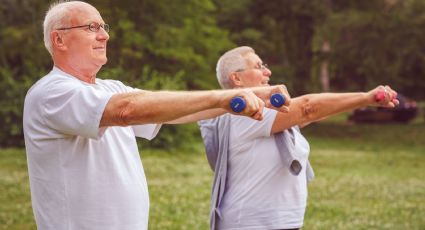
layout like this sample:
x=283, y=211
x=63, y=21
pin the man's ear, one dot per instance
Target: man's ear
x=57, y=40
x=235, y=78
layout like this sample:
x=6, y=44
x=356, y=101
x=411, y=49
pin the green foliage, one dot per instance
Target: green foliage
x=281, y=32
x=153, y=45
x=22, y=61
x=167, y=37
x=174, y=45
x=372, y=42
x=378, y=43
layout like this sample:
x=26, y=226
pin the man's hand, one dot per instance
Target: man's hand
x=255, y=99
x=267, y=91
x=253, y=104
x=383, y=96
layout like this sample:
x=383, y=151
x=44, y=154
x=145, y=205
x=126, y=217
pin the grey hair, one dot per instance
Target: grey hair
x=231, y=61
x=56, y=17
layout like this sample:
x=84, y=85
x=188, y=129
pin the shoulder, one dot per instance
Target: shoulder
x=268, y=117
x=109, y=82
x=114, y=85
x=225, y=118
x=49, y=82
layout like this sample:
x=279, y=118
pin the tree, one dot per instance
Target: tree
x=281, y=31
x=153, y=45
x=23, y=60
x=378, y=43
x=371, y=41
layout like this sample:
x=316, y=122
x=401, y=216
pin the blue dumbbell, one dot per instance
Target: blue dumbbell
x=238, y=104
x=277, y=100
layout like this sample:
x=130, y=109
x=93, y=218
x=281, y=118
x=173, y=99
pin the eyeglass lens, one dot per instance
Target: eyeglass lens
x=96, y=26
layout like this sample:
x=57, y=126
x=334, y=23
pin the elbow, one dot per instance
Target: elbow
x=130, y=113
x=309, y=110
x=125, y=114
x=124, y=110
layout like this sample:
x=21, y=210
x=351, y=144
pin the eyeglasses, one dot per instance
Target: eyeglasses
x=94, y=27
x=259, y=67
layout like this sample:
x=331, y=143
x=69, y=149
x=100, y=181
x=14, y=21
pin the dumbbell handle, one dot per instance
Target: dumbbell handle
x=238, y=104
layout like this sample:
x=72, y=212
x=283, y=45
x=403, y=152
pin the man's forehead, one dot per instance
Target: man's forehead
x=84, y=13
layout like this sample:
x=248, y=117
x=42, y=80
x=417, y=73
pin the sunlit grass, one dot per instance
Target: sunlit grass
x=179, y=187
x=367, y=177
x=15, y=204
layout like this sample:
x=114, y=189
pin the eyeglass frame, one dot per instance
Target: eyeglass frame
x=93, y=27
x=262, y=67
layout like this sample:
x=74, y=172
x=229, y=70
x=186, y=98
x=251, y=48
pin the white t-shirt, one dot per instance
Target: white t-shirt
x=83, y=176
x=261, y=193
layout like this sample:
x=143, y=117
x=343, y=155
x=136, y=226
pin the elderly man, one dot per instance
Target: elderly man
x=261, y=167
x=84, y=166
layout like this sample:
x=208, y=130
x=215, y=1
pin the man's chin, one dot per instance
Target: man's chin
x=103, y=61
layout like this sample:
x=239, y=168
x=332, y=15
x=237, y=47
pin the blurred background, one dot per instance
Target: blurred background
x=310, y=45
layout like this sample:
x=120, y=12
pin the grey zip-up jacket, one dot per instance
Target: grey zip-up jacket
x=215, y=134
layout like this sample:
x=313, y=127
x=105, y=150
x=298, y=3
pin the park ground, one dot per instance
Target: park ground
x=368, y=176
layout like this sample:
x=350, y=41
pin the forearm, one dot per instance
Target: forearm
x=315, y=107
x=144, y=107
x=207, y=114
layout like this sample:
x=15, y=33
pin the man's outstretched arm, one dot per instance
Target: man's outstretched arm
x=143, y=107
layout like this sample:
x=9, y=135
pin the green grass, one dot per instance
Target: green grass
x=15, y=204
x=367, y=177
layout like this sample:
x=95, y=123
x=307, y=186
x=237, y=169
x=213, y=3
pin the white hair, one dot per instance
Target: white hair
x=231, y=61
x=57, y=16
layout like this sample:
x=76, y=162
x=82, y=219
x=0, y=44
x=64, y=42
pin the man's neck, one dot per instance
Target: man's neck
x=85, y=75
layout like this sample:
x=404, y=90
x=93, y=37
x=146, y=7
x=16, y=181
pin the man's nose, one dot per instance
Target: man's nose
x=102, y=34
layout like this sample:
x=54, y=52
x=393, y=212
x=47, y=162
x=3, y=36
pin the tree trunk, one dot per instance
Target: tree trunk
x=324, y=67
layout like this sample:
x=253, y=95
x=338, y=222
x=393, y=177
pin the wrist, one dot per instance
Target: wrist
x=369, y=98
x=220, y=98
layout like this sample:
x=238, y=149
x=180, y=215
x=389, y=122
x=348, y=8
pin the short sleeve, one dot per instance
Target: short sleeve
x=210, y=137
x=247, y=128
x=73, y=108
x=148, y=131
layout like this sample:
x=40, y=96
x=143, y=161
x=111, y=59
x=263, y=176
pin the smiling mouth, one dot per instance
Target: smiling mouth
x=266, y=82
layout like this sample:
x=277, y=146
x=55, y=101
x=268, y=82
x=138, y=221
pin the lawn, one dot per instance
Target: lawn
x=367, y=177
